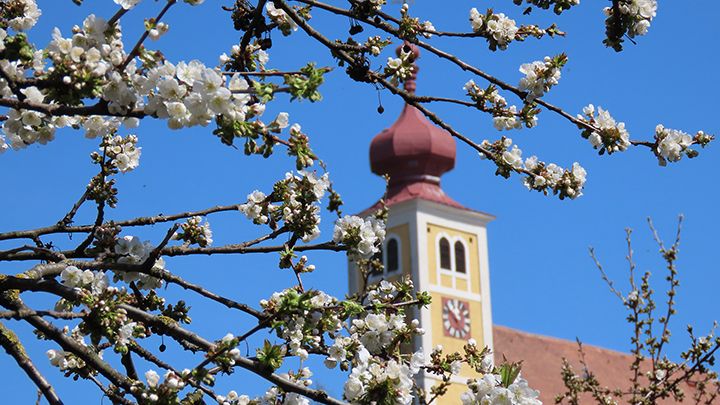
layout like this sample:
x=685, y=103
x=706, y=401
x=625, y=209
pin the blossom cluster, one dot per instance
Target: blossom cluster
x=362, y=236
x=497, y=28
x=607, y=134
x=567, y=183
x=123, y=152
x=170, y=386
x=20, y=15
x=313, y=321
x=540, y=76
x=102, y=304
x=95, y=281
x=375, y=5
x=193, y=231
x=233, y=398
x=510, y=118
x=131, y=250
x=158, y=30
x=302, y=318
x=372, y=350
x=376, y=44
x=373, y=377
x=376, y=331
x=25, y=127
x=401, y=68
x=558, y=6
x=483, y=96
x=254, y=207
x=640, y=14
x=628, y=18
x=92, y=63
x=504, y=117
x=539, y=176
x=490, y=390
x=275, y=395
x=293, y=201
x=255, y=57
x=672, y=144
x=280, y=17
x=65, y=360
x=411, y=26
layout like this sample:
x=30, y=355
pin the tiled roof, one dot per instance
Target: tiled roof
x=542, y=362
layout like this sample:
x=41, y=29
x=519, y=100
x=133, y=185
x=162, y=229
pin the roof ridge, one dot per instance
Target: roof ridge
x=553, y=339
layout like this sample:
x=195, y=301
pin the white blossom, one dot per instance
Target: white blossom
x=428, y=29
x=285, y=23
x=489, y=390
x=153, y=378
x=640, y=12
x=608, y=133
x=672, y=143
x=131, y=250
x=253, y=208
x=158, y=31
x=363, y=236
x=123, y=152
x=502, y=29
x=476, y=19
x=125, y=333
x=27, y=18
x=127, y=4
x=282, y=120
x=513, y=157
x=507, y=122
x=375, y=4
x=539, y=77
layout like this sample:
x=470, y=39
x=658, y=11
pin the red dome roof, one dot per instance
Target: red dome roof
x=414, y=153
x=412, y=147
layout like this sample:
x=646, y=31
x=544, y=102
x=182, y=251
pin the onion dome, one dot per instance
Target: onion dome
x=413, y=152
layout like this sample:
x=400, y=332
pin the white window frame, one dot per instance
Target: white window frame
x=452, y=272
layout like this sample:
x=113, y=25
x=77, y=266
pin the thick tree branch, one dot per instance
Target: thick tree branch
x=69, y=344
x=10, y=342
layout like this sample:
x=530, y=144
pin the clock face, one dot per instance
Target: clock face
x=456, y=318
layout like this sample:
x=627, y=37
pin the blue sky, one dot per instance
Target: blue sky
x=542, y=278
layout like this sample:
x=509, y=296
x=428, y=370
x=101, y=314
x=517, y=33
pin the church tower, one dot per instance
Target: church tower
x=433, y=239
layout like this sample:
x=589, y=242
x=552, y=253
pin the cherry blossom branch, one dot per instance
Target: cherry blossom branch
x=257, y=15
x=10, y=342
x=136, y=348
x=117, y=16
x=458, y=62
x=134, y=52
x=69, y=344
x=254, y=366
x=377, y=78
x=110, y=393
x=68, y=218
x=240, y=248
x=61, y=109
x=51, y=314
x=140, y=221
x=274, y=73
x=29, y=282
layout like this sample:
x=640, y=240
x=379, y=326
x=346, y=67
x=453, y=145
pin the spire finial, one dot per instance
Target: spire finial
x=407, y=47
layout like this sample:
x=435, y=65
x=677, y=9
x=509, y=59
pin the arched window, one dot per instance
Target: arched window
x=392, y=257
x=389, y=257
x=459, y=257
x=444, y=248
